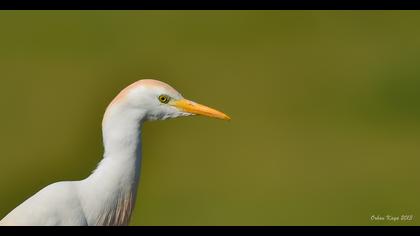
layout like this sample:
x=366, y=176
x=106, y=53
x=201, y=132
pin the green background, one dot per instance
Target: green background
x=325, y=109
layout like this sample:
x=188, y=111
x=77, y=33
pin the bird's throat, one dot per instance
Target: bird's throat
x=112, y=187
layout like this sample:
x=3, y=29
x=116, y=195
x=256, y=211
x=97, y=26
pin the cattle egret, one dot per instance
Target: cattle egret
x=108, y=195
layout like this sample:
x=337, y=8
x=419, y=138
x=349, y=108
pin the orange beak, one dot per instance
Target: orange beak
x=198, y=109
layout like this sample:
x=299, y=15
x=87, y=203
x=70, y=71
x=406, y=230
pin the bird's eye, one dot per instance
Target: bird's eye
x=164, y=99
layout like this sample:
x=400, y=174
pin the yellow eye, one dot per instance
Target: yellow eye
x=164, y=99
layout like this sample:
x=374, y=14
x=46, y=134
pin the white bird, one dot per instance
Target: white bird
x=108, y=195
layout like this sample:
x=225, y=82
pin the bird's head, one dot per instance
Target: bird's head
x=160, y=101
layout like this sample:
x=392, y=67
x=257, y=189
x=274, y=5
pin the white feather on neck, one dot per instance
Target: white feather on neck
x=109, y=193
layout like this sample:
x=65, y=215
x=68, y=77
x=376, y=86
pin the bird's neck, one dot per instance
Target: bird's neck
x=113, y=185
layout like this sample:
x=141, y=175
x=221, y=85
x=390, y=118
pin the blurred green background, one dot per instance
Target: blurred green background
x=325, y=109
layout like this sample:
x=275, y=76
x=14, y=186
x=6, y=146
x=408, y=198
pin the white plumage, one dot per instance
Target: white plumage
x=107, y=196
